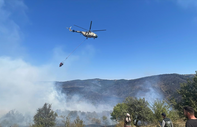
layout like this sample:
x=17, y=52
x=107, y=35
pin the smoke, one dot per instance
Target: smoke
x=87, y=117
x=22, y=88
x=25, y=88
x=150, y=91
x=13, y=117
x=77, y=103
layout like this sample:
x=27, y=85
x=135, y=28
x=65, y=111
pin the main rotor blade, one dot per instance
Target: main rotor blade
x=90, y=26
x=80, y=27
x=98, y=30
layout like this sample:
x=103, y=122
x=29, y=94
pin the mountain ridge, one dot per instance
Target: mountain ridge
x=101, y=90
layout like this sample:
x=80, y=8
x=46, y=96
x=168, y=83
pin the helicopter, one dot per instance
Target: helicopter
x=87, y=33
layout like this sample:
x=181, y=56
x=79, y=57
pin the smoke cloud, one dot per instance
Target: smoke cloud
x=151, y=91
x=26, y=88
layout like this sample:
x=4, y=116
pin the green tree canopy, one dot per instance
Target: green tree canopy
x=139, y=110
x=45, y=116
x=161, y=106
x=105, y=121
x=96, y=121
x=78, y=122
x=66, y=121
x=188, y=92
x=119, y=111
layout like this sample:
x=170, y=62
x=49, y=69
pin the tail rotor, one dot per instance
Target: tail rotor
x=69, y=28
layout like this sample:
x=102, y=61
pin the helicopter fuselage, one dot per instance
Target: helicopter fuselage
x=87, y=34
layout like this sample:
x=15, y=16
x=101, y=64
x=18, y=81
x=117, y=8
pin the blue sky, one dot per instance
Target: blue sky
x=143, y=37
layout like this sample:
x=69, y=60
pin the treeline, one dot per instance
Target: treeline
x=142, y=113
x=87, y=117
x=46, y=117
x=56, y=118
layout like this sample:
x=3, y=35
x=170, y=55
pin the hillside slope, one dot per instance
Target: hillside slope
x=114, y=91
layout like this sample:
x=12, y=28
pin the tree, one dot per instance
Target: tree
x=66, y=122
x=96, y=121
x=188, y=92
x=119, y=111
x=105, y=121
x=73, y=114
x=45, y=116
x=78, y=122
x=161, y=106
x=158, y=108
x=139, y=110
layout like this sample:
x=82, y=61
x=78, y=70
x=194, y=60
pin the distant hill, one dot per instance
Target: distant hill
x=114, y=91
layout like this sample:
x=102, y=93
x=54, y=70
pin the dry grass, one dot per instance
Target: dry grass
x=120, y=124
x=179, y=123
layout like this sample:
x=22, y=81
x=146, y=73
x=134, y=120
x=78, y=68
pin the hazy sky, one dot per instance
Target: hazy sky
x=143, y=37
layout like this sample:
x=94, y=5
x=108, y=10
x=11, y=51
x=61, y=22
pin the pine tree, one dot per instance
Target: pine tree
x=45, y=116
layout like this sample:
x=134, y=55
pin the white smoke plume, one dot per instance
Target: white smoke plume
x=22, y=88
x=151, y=91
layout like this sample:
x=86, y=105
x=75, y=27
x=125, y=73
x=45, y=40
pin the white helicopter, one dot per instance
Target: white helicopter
x=88, y=33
